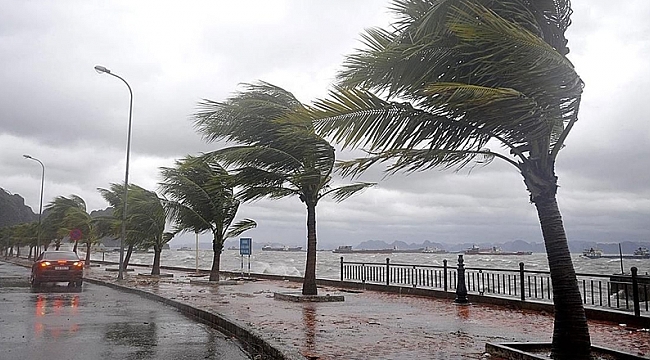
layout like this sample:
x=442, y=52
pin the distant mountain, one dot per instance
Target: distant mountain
x=13, y=209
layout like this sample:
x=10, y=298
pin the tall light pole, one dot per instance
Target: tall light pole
x=40, y=207
x=100, y=69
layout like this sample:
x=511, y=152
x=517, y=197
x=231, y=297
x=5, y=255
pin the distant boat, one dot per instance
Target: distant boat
x=283, y=248
x=640, y=253
x=347, y=249
x=184, y=248
x=233, y=248
x=426, y=250
x=592, y=253
x=434, y=250
x=475, y=250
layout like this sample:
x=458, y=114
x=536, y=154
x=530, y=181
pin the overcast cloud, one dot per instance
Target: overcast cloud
x=55, y=107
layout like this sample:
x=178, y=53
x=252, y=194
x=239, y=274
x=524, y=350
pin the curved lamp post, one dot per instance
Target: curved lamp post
x=100, y=69
x=40, y=208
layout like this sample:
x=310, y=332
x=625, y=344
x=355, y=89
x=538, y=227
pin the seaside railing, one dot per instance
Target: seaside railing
x=627, y=292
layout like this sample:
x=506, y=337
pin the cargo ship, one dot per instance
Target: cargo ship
x=281, y=248
x=347, y=249
x=475, y=250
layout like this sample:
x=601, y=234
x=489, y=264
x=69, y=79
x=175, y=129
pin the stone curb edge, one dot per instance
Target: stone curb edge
x=253, y=342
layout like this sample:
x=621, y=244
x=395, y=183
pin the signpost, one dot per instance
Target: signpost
x=245, y=248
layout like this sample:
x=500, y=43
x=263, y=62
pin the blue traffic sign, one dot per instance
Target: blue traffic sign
x=245, y=246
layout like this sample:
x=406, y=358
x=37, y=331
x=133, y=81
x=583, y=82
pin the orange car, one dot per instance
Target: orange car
x=57, y=266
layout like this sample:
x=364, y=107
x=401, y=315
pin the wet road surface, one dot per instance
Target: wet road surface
x=96, y=322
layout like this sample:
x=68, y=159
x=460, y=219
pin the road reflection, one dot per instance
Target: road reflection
x=56, y=314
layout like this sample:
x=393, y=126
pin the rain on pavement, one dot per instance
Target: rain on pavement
x=96, y=322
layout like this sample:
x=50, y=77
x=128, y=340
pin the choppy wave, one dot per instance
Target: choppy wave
x=328, y=263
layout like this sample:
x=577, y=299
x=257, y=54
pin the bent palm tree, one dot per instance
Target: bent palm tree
x=201, y=198
x=112, y=227
x=278, y=154
x=147, y=222
x=471, y=75
x=70, y=213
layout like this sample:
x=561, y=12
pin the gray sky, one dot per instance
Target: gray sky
x=55, y=107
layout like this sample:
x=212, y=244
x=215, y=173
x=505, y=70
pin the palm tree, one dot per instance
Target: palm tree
x=448, y=78
x=147, y=222
x=70, y=214
x=112, y=227
x=278, y=154
x=201, y=199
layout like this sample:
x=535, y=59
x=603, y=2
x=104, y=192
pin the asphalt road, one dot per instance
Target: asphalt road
x=97, y=322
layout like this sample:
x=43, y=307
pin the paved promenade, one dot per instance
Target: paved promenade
x=367, y=325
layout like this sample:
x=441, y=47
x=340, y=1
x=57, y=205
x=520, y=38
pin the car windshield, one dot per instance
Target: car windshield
x=60, y=255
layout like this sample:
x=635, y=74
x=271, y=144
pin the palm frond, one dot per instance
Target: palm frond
x=240, y=227
x=341, y=193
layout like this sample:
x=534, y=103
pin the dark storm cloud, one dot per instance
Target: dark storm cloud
x=57, y=108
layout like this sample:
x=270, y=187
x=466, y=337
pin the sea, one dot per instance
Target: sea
x=328, y=264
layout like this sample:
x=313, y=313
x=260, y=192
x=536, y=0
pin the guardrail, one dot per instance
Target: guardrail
x=627, y=292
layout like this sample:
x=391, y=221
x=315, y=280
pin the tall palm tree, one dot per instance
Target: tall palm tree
x=201, y=198
x=278, y=153
x=453, y=75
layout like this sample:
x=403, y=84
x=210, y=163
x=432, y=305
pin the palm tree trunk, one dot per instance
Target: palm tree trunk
x=309, y=283
x=74, y=248
x=127, y=257
x=217, y=246
x=155, y=268
x=88, y=253
x=570, y=331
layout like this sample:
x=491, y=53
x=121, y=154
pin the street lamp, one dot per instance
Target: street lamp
x=40, y=208
x=100, y=69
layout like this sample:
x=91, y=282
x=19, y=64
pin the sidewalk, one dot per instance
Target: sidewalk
x=368, y=325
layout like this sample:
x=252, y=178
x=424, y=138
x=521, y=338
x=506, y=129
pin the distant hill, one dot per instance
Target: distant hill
x=13, y=209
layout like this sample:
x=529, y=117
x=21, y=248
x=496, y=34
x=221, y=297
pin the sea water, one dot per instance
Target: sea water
x=328, y=264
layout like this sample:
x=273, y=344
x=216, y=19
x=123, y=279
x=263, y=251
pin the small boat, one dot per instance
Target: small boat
x=283, y=248
x=642, y=252
x=475, y=250
x=184, y=248
x=592, y=253
x=347, y=249
x=233, y=248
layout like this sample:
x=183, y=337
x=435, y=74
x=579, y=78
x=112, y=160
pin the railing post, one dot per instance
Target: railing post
x=635, y=291
x=522, y=285
x=461, y=289
x=387, y=272
x=444, y=267
x=341, y=268
x=363, y=273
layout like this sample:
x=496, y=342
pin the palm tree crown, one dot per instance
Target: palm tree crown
x=277, y=153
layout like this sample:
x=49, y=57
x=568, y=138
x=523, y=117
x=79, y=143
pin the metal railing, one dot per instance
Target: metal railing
x=629, y=292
